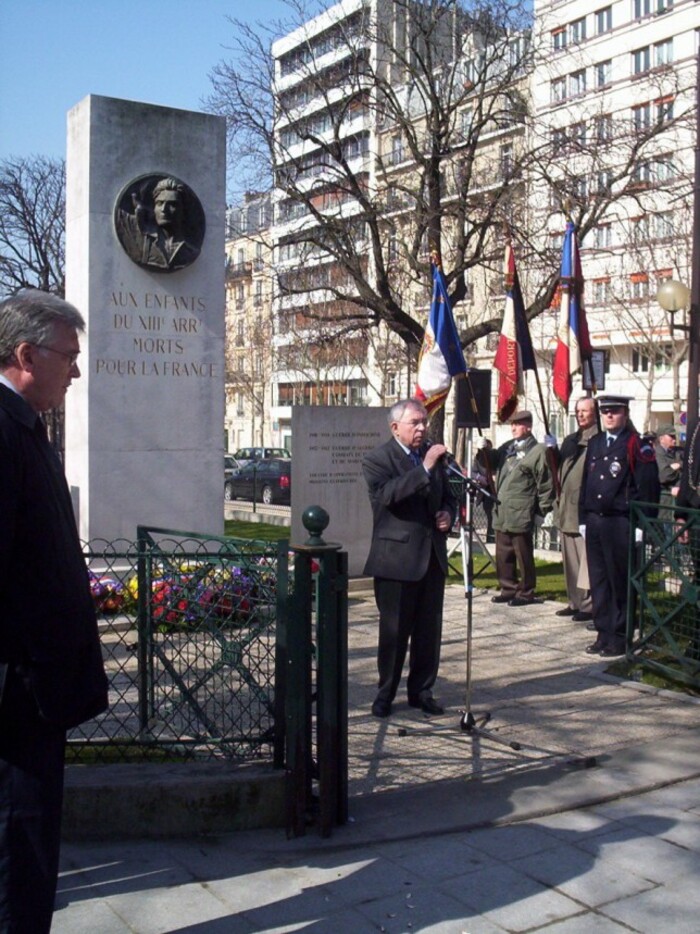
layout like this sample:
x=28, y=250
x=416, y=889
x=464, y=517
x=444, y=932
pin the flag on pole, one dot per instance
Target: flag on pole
x=514, y=354
x=441, y=355
x=573, y=340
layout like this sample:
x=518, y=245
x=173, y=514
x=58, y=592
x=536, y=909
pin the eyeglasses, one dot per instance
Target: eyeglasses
x=72, y=357
x=413, y=422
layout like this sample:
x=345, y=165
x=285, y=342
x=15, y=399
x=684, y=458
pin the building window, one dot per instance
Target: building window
x=664, y=110
x=558, y=90
x=601, y=291
x=258, y=293
x=642, y=8
x=396, y=150
x=577, y=30
x=641, y=60
x=577, y=82
x=641, y=175
x=603, y=73
x=391, y=385
x=240, y=295
x=603, y=20
x=663, y=53
x=604, y=128
x=640, y=230
x=664, y=169
x=577, y=134
x=641, y=117
x=604, y=182
x=602, y=236
x=506, y=160
x=640, y=362
x=559, y=138
x=579, y=188
x=639, y=286
x=467, y=121
x=240, y=333
x=559, y=39
x=663, y=225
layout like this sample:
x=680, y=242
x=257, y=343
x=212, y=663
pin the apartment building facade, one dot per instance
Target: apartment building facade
x=610, y=95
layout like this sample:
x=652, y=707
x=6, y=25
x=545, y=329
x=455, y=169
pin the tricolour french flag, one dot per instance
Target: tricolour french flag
x=573, y=340
x=441, y=355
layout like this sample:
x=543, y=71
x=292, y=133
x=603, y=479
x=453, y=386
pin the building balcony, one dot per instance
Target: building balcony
x=239, y=270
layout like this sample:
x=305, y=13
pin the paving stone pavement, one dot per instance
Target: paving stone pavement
x=593, y=824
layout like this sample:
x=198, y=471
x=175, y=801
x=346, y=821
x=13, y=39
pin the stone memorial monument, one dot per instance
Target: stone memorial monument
x=145, y=265
x=329, y=444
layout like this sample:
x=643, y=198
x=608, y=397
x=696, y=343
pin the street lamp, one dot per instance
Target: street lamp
x=674, y=296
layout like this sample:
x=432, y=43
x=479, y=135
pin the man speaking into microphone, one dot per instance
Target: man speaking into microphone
x=413, y=510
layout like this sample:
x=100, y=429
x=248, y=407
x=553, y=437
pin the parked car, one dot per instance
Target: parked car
x=265, y=481
x=231, y=465
x=246, y=455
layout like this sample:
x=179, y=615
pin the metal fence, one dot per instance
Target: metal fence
x=663, y=627
x=189, y=626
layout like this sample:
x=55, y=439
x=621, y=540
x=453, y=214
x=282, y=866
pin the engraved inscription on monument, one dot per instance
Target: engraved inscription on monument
x=160, y=223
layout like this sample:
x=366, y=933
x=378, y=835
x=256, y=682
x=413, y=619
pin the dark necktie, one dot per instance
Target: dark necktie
x=415, y=457
x=611, y=440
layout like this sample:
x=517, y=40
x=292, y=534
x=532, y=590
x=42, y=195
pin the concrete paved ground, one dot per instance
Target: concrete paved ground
x=592, y=825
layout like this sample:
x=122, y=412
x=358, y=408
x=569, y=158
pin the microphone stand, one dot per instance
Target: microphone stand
x=469, y=723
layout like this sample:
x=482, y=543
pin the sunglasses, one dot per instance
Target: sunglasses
x=612, y=409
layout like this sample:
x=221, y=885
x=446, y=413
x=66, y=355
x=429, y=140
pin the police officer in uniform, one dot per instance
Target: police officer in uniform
x=619, y=467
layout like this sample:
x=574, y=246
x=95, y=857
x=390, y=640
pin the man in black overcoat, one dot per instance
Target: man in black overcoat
x=51, y=672
x=413, y=510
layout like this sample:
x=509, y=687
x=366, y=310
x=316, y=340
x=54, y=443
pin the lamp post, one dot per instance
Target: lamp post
x=674, y=296
x=677, y=294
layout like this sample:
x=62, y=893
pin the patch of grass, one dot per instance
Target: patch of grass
x=634, y=671
x=257, y=531
x=550, y=576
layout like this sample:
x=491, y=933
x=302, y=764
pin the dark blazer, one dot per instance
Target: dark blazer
x=404, y=502
x=47, y=618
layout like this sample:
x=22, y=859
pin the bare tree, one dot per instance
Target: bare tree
x=443, y=87
x=32, y=224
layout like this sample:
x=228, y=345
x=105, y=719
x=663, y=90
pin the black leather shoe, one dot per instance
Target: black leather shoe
x=381, y=708
x=427, y=705
x=581, y=617
x=501, y=598
x=567, y=611
x=590, y=627
x=595, y=648
x=523, y=601
x=612, y=651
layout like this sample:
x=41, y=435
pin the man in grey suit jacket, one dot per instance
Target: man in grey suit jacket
x=413, y=510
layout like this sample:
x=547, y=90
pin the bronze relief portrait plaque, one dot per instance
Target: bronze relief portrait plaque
x=160, y=223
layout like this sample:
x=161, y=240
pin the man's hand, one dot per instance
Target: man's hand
x=582, y=531
x=442, y=520
x=683, y=537
x=433, y=455
x=550, y=441
x=481, y=443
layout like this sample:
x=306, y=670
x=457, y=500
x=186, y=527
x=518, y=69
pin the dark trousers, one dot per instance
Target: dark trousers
x=410, y=610
x=31, y=795
x=515, y=550
x=607, y=550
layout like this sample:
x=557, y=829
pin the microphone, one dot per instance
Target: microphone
x=449, y=460
x=451, y=464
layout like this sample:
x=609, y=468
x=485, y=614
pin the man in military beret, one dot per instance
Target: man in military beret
x=525, y=489
x=619, y=467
